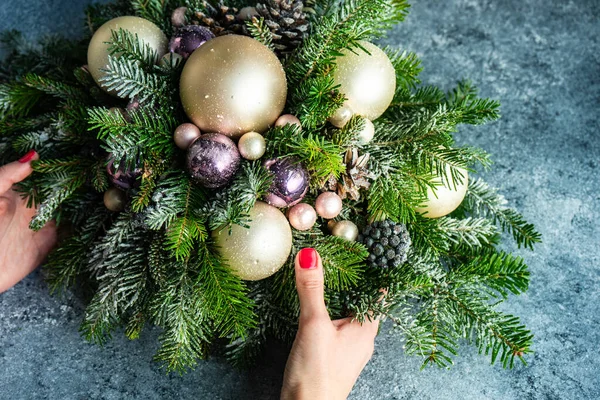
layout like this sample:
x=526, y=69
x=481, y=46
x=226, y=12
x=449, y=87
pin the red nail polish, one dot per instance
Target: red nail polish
x=27, y=157
x=308, y=258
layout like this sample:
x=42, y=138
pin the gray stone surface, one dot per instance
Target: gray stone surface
x=541, y=59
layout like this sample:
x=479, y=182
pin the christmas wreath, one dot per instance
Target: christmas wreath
x=188, y=151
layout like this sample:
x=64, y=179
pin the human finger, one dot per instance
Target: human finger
x=16, y=171
x=310, y=283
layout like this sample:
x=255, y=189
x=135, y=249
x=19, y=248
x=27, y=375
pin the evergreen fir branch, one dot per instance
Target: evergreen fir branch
x=157, y=11
x=183, y=233
x=261, y=32
x=65, y=184
x=54, y=87
x=12, y=126
x=428, y=236
x=407, y=66
x=469, y=232
x=177, y=308
x=342, y=261
x=99, y=13
x=499, y=271
x=99, y=178
x=126, y=45
x=66, y=262
x=127, y=79
x=39, y=140
x=119, y=262
x=224, y=295
x=314, y=100
x=70, y=164
x=501, y=336
x=17, y=99
x=486, y=202
x=153, y=169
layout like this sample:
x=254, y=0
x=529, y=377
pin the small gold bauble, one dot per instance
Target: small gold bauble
x=232, y=85
x=367, y=80
x=445, y=199
x=302, y=216
x=185, y=134
x=288, y=119
x=114, y=199
x=345, y=229
x=367, y=132
x=330, y=224
x=328, y=205
x=259, y=251
x=341, y=116
x=147, y=32
x=252, y=146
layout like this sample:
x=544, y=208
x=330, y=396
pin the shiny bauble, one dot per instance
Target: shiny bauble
x=341, y=116
x=346, y=230
x=302, y=216
x=367, y=132
x=185, y=134
x=123, y=177
x=367, y=80
x=178, y=17
x=147, y=33
x=232, y=85
x=259, y=251
x=328, y=205
x=288, y=119
x=212, y=160
x=290, y=182
x=189, y=38
x=114, y=199
x=446, y=197
x=252, y=146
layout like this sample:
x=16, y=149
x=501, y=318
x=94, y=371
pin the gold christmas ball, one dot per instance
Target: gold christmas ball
x=146, y=31
x=328, y=205
x=114, y=199
x=345, y=229
x=341, y=116
x=445, y=199
x=185, y=134
x=232, y=85
x=259, y=251
x=252, y=146
x=367, y=133
x=367, y=80
x=302, y=216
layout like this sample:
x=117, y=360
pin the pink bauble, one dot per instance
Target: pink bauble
x=302, y=216
x=328, y=205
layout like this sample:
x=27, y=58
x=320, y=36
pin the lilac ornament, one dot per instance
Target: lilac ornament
x=123, y=177
x=212, y=160
x=189, y=38
x=290, y=182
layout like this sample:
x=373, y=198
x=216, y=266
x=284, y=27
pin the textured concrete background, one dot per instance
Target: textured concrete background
x=542, y=60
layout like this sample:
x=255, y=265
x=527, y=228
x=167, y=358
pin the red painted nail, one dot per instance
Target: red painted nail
x=308, y=258
x=27, y=157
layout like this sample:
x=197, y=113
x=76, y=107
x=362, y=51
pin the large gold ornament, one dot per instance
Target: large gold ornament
x=259, y=251
x=146, y=31
x=232, y=85
x=368, y=81
x=447, y=196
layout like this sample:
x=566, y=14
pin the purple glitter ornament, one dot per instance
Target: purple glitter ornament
x=212, y=160
x=189, y=38
x=290, y=182
x=123, y=177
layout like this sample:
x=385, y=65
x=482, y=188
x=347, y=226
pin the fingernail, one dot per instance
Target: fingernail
x=27, y=157
x=308, y=258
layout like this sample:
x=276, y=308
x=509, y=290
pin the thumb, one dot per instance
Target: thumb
x=309, y=283
x=16, y=171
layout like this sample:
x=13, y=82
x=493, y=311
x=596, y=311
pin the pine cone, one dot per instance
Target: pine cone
x=220, y=19
x=287, y=21
x=355, y=178
x=388, y=244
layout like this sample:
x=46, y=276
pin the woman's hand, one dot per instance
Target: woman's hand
x=327, y=356
x=21, y=249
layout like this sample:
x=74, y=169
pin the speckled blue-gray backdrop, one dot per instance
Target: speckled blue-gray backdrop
x=541, y=58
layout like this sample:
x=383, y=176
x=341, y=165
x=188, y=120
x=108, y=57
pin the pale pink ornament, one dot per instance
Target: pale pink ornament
x=328, y=205
x=302, y=216
x=288, y=119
